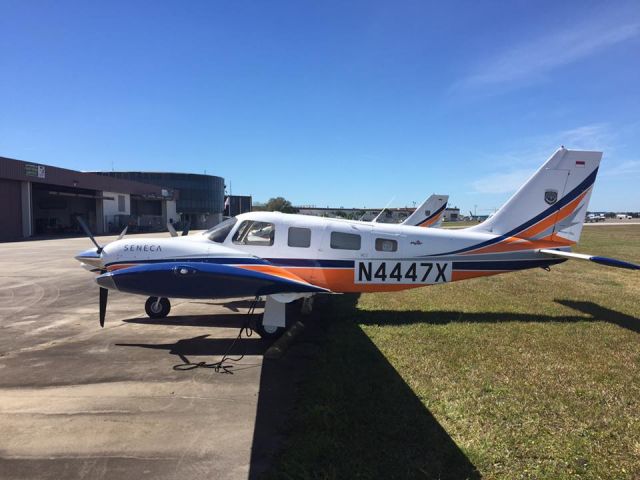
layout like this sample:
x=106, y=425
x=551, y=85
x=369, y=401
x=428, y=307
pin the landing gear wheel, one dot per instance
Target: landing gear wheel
x=157, y=309
x=269, y=332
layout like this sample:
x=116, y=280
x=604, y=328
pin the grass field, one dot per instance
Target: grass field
x=524, y=375
x=459, y=224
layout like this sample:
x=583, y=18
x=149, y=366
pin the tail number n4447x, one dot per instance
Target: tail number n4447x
x=385, y=271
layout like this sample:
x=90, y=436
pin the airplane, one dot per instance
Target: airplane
x=430, y=213
x=286, y=257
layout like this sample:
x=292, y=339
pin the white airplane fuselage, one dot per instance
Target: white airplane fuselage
x=285, y=257
x=338, y=255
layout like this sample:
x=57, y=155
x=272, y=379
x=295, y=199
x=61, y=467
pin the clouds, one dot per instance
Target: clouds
x=502, y=182
x=597, y=136
x=519, y=165
x=530, y=61
x=626, y=168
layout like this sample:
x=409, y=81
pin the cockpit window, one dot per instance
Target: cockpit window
x=219, y=232
x=255, y=233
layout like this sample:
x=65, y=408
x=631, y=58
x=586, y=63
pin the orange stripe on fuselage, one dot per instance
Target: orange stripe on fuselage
x=551, y=220
x=274, y=270
x=339, y=280
x=342, y=280
x=558, y=240
x=517, y=244
x=120, y=266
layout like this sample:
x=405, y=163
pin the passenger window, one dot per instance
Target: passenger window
x=345, y=241
x=299, y=237
x=386, y=245
x=255, y=233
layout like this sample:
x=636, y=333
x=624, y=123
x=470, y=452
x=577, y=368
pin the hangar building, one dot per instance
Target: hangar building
x=40, y=199
x=201, y=200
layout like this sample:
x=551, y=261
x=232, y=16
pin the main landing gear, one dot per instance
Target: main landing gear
x=274, y=320
x=157, y=307
x=271, y=325
x=268, y=332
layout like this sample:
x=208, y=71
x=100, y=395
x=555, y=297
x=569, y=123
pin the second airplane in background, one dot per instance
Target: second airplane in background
x=430, y=213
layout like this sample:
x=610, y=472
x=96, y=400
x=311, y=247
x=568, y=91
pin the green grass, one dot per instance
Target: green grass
x=459, y=224
x=524, y=375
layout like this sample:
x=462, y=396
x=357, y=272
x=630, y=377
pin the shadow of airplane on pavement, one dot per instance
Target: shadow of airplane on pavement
x=378, y=407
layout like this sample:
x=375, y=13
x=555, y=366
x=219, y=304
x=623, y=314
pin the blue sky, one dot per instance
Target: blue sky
x=346, y=103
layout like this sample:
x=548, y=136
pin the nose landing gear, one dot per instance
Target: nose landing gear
x=157, y=307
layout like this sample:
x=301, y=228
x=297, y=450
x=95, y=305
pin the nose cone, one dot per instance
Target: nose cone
x=90, y=257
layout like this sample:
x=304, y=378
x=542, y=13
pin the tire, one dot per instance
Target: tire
x=269, y=332
x=161, y=311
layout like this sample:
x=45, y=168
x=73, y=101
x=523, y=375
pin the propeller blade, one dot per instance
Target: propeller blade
x=186, y=229
x=104, y=294
x=84, y=227
x=123, y=233
x=172, y=230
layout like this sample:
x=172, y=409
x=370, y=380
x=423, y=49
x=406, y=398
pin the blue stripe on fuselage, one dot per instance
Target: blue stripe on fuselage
x=280, y=262
x=200, y=280
x=505, y=264
x=214, y=260
x=303, y=262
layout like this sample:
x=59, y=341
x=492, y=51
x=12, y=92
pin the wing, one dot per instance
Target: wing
x=205, y=280
x=610, y=262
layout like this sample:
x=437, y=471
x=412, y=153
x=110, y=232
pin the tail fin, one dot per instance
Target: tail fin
x=552, y=205
x=430, y=213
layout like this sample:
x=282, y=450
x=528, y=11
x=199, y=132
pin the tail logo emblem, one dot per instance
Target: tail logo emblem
x=551, y=196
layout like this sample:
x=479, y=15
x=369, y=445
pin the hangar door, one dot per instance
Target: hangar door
x=11, y=201
x=55, y=209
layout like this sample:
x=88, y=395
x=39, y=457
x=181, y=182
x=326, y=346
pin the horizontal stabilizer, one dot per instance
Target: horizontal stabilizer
x=609, y=262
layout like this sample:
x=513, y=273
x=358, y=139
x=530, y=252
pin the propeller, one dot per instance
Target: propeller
x=185, y=232
x=84, y=227
x=104, y=294
x=172, y=230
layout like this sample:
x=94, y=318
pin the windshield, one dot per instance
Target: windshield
x=254, y=233
x=220, y=231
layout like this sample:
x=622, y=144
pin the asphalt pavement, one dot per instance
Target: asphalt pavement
x=78, y=401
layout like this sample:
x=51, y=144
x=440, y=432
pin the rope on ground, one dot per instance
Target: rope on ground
x=223, y=366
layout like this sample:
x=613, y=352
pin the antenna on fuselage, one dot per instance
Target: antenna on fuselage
x=375, y=220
